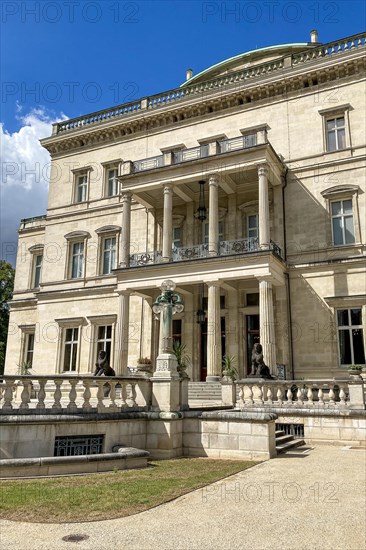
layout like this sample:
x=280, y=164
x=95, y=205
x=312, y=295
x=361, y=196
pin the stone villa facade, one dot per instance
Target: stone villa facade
x=245, y=186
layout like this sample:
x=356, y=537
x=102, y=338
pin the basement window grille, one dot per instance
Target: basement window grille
x=291, y=429
x=75, y=445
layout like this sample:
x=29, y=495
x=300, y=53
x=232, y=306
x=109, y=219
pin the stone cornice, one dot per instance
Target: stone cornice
x=284, y=82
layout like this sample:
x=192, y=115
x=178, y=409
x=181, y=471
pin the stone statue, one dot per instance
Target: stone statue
x=102, y=367
x=259, y=368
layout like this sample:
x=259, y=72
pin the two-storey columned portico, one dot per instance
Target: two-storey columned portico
x=218, y=255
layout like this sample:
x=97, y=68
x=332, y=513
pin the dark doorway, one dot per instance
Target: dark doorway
x=252, y=337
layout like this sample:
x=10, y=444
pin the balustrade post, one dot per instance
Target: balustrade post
x=112, y=396
x=124, y=394
x=41, y=394
x=310, y=394
x=320, y=395
x=71, y=406
x=280, y=395
x=100, y=395
x=331, y=395
x=241, y=396
x=25, y=395
x=342, y=396
x=86, y=395
x=57, y=395
x=8, y=394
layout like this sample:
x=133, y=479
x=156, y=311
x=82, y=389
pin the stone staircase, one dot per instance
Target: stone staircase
x=287, y=442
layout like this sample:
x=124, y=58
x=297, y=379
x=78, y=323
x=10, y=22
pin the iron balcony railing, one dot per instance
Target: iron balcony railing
x=200, y=251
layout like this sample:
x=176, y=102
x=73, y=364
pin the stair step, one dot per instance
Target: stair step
x=284, y=439
x=290, y=445
x=278, y=433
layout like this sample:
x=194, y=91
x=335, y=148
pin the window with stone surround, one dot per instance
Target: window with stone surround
x=81, y=184
x=336, y=128
x=102, y=332
x=108, y=248
x=69, y=344
x=77, y=247
x=36, y=252
x=342, y=207
x=350, y=336
x=111, y=173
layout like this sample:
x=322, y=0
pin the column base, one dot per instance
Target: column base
x=213, y=378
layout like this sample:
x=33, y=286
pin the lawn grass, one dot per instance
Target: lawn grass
x=109, y=495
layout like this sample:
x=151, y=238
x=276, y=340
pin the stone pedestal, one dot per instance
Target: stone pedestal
x=228, y=392
x=183, y=397
x=165, y=394
x=356, y=394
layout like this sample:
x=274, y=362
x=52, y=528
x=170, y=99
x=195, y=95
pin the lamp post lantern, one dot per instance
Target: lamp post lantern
x=166, y=304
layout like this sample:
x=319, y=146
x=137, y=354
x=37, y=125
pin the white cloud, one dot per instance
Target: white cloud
x=24, y=175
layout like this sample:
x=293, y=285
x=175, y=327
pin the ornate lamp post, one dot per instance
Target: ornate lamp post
x=166, y=304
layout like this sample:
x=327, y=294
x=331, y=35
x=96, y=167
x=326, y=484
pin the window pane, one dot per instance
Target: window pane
x=345, y=347
x=337, y=231
x=331, y=124
x=358, y=349
x=347, y=207
x=336, y=208
x=348, y=229
x=73, y=358
x=356, y=317
x=101, y=332
x=341, y=139
x=67, y=357
x=332, y=146
x=109, y=331
x=342, y=317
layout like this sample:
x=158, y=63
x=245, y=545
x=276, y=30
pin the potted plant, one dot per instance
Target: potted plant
x=144, y=365
x=183, y=358
x=354, y=370
x=229, y=369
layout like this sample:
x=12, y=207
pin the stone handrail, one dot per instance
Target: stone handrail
x=73, y=394
x=171, y=96
x=294, y=393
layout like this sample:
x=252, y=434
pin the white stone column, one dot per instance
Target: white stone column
x=213, y=333
x=263, y=206
x=213, y=215
x=122, y=332
x=267, y=326
x=126, y=230
x=168, y=223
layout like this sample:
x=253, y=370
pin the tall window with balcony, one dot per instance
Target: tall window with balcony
x=104, y=340
x=350, y=336
x=29, y=349
x=252, y=226
x=177, y=237
x=342, y=222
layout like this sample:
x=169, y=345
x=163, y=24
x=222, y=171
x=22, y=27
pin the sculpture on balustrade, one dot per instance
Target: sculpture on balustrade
x=102, y=367
x=259, y=368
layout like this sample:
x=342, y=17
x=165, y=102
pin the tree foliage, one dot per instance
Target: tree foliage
x=6, y=291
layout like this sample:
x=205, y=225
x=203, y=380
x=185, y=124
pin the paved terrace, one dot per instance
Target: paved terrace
x=304, y=500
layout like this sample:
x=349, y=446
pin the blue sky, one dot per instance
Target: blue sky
x=67, y=58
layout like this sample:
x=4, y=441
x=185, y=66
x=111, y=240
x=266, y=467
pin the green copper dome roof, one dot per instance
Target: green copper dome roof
x=251, y=58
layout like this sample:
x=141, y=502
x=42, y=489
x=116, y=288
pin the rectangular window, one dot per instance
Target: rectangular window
x=70, y=349
x=81, y=188
x=112, y=182
x=336, y=133
x=342, y=222
x=104, y=340
x=252, y=226
x=177, y=331
x=29, y=349
x=206, y=232
x=176, y=242
x=350, y=336
x=77, y=260
x=37, y=270
x=109, y=255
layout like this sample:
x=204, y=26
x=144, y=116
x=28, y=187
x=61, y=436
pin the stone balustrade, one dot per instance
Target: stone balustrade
x=196, y=89
x=72, y=394
x=294, y=393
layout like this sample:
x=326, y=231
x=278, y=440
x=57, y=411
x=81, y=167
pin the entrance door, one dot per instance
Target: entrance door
x=203, y=353
x=252, y=324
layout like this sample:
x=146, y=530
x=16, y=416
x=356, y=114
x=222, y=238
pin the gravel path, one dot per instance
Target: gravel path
x=303, y=500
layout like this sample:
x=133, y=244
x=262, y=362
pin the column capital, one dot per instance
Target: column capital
x=263, y=170
x=213, y=283
x=127, y=292
x=168, y=188
x=126, y=196
x=213, y=179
